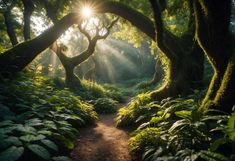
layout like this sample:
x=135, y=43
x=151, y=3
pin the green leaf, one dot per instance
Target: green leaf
x=69, y=144
x=40, y=151
x=11, y=154
x=33, y=122
x=61, y=158
x=211, y=156
x=26, y=129
x=156, y=119
x=178, y=124
x=183, y=113
x=50, y=144
x=30, y=138
x=6, y=123
x=5, y=143
x=217, y=143
x=24, y=116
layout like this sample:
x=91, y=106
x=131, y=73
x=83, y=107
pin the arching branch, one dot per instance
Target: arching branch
x=139, y=20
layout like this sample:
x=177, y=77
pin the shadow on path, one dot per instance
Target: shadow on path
x=103, y=142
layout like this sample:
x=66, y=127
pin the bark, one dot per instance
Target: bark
x=18, y=57
x=24, y=53
x=185, y=65
x=158, y=74
x=69, y=63
x=170, y=45
x=10, y=28
x=136, y=18
x=212, y=33
x=28, y=10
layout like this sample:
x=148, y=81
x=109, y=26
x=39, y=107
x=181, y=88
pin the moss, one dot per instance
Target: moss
x=127, y=115
x=145, y=138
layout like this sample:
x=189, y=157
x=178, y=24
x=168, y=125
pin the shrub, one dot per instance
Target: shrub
x=174, y=129
x=38, y=121
x=105, y=105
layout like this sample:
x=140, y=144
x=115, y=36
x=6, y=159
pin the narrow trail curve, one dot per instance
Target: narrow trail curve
x=102, y=142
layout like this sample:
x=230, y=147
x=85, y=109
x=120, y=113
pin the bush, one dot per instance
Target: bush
x=38, y=121
x=93, y=91
x=128, y=115
x=105, y=105
x=174, y=129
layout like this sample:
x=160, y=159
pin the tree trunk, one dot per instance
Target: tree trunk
x=10, y=28
x=69, y=64
x=212, y=33
x=28, y=10
x=175, y=53
x=17, y=58
x=71, y=79
x=185, y=65
x=158, y=74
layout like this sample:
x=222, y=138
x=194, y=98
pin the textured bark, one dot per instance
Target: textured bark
x=28, y=10
x=158, y=74
x=212, y=33
x=17, y=58
x=69, y=63
x=185, y=64
x=10, y=28
x=170, y=45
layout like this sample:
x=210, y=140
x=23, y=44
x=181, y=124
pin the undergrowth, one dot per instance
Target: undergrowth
x=174, y=130
x=38, y=121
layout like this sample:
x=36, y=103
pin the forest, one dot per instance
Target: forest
x=117, y=80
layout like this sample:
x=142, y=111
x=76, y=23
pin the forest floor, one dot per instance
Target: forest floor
x=103, y=141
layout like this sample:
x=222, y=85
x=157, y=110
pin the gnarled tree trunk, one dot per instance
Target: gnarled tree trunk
x=18, y=57
x=185, y=64
x=212, y=33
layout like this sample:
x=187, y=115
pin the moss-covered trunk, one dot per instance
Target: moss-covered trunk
x=18, y=57
x=212, y=33
x=185, y=59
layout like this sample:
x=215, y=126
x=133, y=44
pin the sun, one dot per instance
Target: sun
x=87, y=11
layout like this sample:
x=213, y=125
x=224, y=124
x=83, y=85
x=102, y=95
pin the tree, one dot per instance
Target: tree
x=184, y=56
x=172, y=46
x=18, y=57
x=101, y=31
x=28, y=10
x=212, y=33
x=7, y=7
x=185, y=64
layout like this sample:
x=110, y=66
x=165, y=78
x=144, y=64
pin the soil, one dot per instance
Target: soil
x=102, y=142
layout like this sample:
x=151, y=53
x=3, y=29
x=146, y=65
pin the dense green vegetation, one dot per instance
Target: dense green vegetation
x=39, y=120
x=64, y=63
x=174, y=129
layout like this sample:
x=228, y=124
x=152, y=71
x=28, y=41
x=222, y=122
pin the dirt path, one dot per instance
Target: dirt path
x=102, y=142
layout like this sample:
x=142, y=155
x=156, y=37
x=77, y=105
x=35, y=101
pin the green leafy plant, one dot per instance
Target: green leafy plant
x=38, y=121
x=105, y=105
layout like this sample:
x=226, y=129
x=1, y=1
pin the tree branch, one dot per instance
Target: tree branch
x=161, y=33
x=136, y=18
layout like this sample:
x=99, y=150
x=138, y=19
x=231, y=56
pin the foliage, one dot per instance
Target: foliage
x=127, y=116
x=105, y=105
x=174, y=129
x=38, y=121
x=93, y=90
